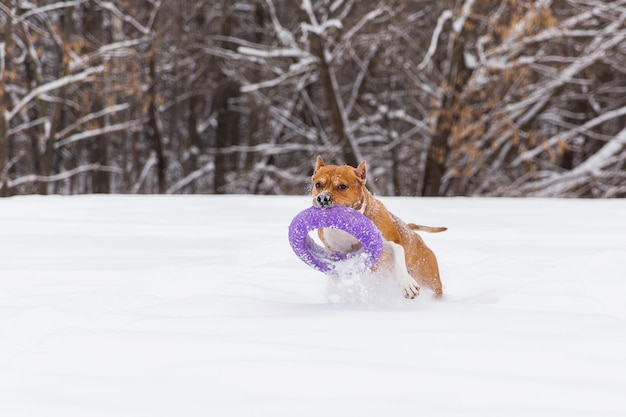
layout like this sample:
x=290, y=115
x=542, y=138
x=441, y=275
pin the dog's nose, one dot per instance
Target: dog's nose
x=323, y=200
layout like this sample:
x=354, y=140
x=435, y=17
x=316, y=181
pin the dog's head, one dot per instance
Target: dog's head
x=335, y=185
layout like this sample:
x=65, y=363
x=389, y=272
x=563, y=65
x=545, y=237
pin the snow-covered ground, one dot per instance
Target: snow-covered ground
x=196, y=306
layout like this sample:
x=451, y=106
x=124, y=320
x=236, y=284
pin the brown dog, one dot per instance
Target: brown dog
x=404, y=251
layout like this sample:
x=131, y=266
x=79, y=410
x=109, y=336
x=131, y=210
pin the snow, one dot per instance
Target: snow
x=197, y=306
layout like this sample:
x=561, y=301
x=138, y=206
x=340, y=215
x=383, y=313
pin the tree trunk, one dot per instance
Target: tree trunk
x=227, y=133
x=155, y=131
x=4, y=129
x=332, y=101
x=55, y=113
x=438, y=150
x=253, y=118
x=194, y=142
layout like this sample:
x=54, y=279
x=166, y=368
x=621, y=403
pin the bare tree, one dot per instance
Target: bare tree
x=543, y=97
x=455, y=97
x=57, y=115
x=323, y=76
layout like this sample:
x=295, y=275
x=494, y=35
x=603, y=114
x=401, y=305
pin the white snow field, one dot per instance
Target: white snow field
x=196, y=306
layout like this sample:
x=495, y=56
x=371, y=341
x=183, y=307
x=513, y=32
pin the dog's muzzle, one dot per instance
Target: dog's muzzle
x=323, y=200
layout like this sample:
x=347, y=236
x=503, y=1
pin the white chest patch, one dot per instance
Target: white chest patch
x=340, y=241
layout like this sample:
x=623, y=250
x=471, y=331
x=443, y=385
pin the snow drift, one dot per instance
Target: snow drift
x=197, y=306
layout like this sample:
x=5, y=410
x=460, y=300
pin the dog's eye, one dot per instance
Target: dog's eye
x=342, y=187
x=318, y=185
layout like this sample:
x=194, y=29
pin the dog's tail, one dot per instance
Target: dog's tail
x=428, y=229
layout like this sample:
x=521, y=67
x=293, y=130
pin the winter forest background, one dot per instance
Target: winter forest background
x=465, y=97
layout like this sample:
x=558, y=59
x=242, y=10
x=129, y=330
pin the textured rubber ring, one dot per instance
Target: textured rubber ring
x=337, y=217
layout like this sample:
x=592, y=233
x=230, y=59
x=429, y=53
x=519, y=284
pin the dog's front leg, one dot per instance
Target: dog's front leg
x=406, y=282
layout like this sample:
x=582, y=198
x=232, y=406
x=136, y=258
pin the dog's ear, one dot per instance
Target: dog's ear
x=319, y=163
x=361, y=171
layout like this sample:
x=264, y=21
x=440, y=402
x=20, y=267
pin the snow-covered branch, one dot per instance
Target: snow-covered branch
x=53, y=85
x=195, y=175
x=523, y=111
x=564, y=137
x=459, y=22
x=152, y=161
x=87, y=134
x=106, y=50
x=92, y=116
x=434, y=41
x=274, y=52
x=61, y=176
x=351, y=33
x=2, y=58
x=107, y=5
x=269, y=149
x=294, y=70
x=49, y=8
x=526, y=109
x=561, y=184
x=285, y=37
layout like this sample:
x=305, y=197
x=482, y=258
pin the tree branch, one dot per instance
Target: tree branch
x=62, y=176
x=53, y=85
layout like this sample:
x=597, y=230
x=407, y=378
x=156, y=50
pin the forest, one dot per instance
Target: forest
x=442, y=98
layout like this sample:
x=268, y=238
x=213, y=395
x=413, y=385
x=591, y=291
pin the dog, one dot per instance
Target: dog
x=412, y=263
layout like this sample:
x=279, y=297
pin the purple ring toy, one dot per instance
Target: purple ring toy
x=337, y=217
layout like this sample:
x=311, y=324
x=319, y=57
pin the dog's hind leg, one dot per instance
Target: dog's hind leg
x=425, y=270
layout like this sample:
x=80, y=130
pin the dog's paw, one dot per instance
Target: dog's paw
x=410, y=288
